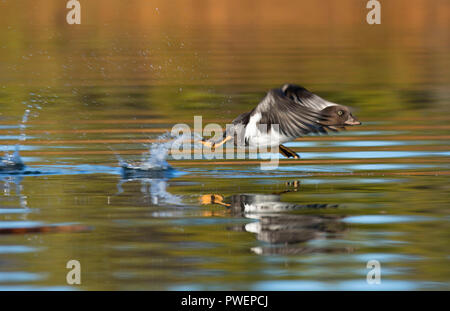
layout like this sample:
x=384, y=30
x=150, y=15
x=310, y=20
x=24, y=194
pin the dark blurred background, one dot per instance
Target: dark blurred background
x=178, y=58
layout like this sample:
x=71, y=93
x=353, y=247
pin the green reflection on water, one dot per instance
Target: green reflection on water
x=117, y=81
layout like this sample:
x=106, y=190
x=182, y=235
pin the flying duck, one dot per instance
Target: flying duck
x=285, y=114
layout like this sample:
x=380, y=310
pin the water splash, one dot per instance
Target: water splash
x=153, y=171
x=23, y=136
x=156, y=158
x=13, y=162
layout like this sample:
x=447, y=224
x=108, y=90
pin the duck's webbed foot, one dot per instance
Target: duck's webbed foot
x=289, y=153
x=213, y=145
x=208, y=143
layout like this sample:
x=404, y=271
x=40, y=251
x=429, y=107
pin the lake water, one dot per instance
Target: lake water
x=112, y=86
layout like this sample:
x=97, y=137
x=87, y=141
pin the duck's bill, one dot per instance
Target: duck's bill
x=352, y=121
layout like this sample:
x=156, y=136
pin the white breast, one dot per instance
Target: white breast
x=255, y=137
x=251, y=129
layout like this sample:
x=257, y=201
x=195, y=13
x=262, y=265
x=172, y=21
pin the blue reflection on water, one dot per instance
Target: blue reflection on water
x=20, y=276
x=379, y=143
x=16, y=249
x=19, y=224
x=384, y=219
x=15, y=210
x=26, y=147
x=385, y=257
x=12, y=137
x=362, y=143
x=303, y=170
x=4, y=127
x=357, y=285
x=372, y=154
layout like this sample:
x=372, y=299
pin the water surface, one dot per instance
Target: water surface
x=113, y=85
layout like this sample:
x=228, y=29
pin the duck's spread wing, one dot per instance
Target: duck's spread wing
x=305, y=98
x=293, y=119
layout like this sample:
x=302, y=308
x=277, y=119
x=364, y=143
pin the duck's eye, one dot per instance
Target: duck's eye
x=340, y=112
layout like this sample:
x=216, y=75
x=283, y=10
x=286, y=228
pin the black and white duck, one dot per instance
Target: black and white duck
x=283, y=115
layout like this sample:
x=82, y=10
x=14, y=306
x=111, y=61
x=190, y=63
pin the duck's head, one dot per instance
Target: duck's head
x=338, y=116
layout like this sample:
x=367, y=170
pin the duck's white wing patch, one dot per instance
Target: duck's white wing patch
x=257, y=135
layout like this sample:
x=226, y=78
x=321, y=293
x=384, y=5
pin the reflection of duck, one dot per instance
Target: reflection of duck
x=280, y=223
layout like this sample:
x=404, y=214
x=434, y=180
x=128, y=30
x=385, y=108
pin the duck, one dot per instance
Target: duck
x=283, y=115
